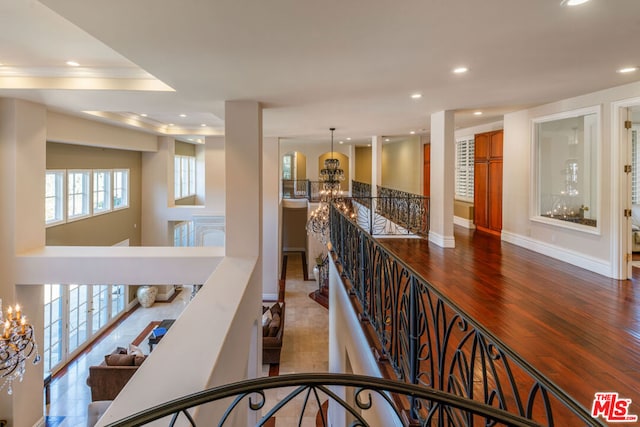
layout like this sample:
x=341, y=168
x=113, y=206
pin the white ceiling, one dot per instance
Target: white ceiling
x=313, y=64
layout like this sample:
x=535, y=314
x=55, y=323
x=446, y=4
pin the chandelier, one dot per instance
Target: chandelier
x=330, y=176
x=17, y=345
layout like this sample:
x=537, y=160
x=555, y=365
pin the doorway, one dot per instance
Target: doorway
x=631, y=132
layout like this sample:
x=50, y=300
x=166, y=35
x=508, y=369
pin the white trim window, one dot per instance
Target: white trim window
x=185, y=176
x=101, y=191
x=78, y=194
x=465, y=156
x=54, y=197
x=184, y=234
x=120, y=188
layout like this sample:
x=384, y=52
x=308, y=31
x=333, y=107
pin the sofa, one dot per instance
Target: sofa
x=109, y=378
x=272, y=331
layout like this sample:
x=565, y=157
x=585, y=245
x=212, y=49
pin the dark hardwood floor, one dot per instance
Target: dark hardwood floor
x=580, y=329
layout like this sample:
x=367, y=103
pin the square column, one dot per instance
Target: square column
x=442, y=179
x=243, y=178
x=376, y=164
x=22, y=178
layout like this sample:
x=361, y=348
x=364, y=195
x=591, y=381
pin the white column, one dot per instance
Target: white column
x=22, y=174
x=442, y=179
x=270, y=213
x=376, y=164
x=243, y=178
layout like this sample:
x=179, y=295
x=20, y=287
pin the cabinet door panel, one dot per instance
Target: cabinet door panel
x=496, y=144
x=482, y=141
x=495, y=195
x=480, y=194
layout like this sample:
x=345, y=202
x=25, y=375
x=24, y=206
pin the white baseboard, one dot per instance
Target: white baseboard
x=565, y=255
x=442, y=241
x=269, y=297
x=463, y=222
x=39, y=423
x=166, y=295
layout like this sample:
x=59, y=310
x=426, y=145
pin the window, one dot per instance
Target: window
x=52, y=348
x=74, y=314
x=183, y=234
x=54, y=197
x=110, y=191
x=185, y=176
x=78, y=194
x=566, y=156
x=120, y=188
x=101, y=191
x=465, y=153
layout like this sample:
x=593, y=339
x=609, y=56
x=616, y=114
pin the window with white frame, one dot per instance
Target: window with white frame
x=120, y=188
x=75, y=314
x=87, y=192
x=101, y=191
x=184, y=234
x=78, y=194
x=185, y=176
x=566, y=167
x=54, y=197
x=465, y=153
x=53, y=327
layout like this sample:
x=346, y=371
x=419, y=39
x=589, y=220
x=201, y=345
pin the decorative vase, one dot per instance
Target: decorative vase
x=146, y=295
x=316, y=273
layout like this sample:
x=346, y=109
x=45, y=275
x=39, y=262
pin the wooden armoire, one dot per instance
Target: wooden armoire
x=487, y=189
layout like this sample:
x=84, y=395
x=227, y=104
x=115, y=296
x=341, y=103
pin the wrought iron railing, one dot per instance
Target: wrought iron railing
x=296, y=188
x=360, y=189
x=302, y=189
x=314, y=390
x=429, y=341
x=391, y=212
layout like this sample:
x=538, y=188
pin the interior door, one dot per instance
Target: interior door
x=426, y=170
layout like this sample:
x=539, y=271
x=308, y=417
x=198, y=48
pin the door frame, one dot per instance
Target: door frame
x=621, y=243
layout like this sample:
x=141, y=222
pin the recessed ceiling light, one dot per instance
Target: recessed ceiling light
x=387, y=140
x=349, y=138
x=203, y=124
x=413, y=132
x=477, y=113
x=183, y=115
x=416, y=96
x=572, y=2
x=627, y=70
x=73, y=64
x=460, y=70
x=143, y=115
x=368, y=145
x=341, y=142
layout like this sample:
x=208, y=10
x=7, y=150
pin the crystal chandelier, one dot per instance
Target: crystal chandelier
x=17, y=345
x=331, y=177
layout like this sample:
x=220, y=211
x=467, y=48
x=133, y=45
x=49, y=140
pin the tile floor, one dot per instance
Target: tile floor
x=305, y=349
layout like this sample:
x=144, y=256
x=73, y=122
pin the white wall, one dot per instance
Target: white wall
x=76, y=130
x=348, y=351
x=211, y=343
x=158, y=204
x=271, y=218
x=594, y=252
x=402, y=163
x=313, y=151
